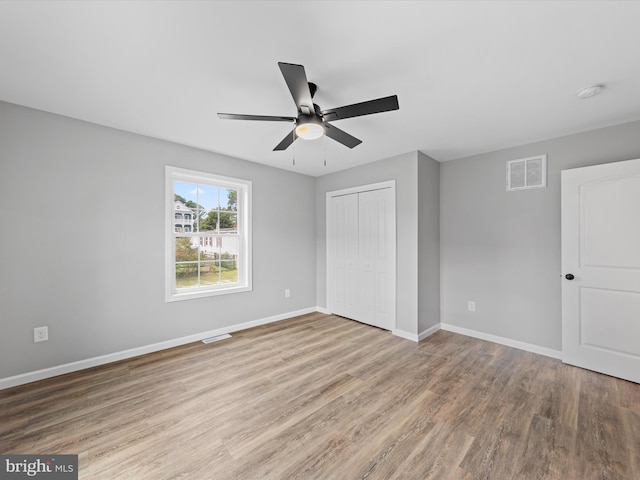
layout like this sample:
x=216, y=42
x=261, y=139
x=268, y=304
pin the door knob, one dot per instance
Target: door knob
x=569, y=276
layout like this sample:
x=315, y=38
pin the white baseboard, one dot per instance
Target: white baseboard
x=428, y=332
x=406, y=335
x=134, y=352
x=416, y=338
x=547, y=352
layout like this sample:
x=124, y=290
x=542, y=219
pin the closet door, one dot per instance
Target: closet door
x=361, y=252
x=376, y=258
x=342, y=243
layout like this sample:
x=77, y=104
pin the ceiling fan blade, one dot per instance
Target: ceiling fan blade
x=379, y=105
x=298, y=85
x=286, y=141
x=341, y=136
x=266, y=118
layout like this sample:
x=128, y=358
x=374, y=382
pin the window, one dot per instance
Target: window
x=209, y=254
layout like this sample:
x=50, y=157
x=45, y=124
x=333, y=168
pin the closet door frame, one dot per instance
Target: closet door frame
x=390, y=184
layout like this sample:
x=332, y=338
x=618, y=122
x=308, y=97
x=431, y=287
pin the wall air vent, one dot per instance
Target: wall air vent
x=524, y=173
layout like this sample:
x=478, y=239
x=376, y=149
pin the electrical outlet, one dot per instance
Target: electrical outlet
x=471, y=306
x=40, y=334
x=287, y=293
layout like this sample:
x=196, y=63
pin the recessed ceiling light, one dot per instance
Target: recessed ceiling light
x=590, y=91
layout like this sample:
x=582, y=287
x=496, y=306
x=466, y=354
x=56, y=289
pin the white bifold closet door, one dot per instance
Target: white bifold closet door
x=361, y=253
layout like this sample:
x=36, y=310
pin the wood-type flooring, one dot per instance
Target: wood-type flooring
x=322, y=397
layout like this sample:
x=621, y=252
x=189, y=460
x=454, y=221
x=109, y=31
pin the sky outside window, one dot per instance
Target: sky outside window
x=211, y=198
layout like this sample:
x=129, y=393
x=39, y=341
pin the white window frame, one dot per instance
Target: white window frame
x=243, y=187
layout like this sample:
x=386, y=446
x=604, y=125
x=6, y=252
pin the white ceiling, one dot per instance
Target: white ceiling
x=471, y=76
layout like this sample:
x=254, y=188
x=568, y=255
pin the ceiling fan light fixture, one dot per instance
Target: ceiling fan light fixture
x=309, y=127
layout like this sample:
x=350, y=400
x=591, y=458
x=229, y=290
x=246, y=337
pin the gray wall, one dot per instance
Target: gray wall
x=428, y=242
x=502, y=249
x=83, y=243
x=402, y=169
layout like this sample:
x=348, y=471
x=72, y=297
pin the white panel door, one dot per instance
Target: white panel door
x=377, y=257
x=601, y=268
x=342, y=249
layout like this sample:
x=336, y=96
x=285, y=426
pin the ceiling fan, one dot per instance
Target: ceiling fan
x=312, y=122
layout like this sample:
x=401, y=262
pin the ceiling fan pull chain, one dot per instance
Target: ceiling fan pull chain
x=293, y=134
x=324, y=141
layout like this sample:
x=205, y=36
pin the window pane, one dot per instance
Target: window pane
x=184, y=191
x=229, y=271
x=186, y=262
x=209, y=222
x=229, y=259
x=186, y=275
x=209, y=273
x=229, y=246
x=185, y=206
x=209, y=247
x=228, y=222
x=208, y=197
x=186, y=249
x=229, y=199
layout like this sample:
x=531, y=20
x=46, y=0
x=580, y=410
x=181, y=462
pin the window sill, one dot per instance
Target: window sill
x=179, y=296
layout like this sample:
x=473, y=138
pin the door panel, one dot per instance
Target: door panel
x=621, y=331
x=377, y=256
x=606, y=240
x=384, y=289
x=601, y=249
x=367, y=233
x=342, y=245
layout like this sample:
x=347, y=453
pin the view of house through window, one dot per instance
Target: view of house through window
x=208, y=252
x=209, y=239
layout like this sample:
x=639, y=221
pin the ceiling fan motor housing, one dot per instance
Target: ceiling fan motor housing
x=313, y=88
x=303, y=118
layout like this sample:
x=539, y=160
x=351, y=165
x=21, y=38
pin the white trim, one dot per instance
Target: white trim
x=244, y=188
x=406, y=335
x=428, y=332
x=362, y=188
x=135, y=352
x=29, y=377
x=529, y=347
x=416, y=338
